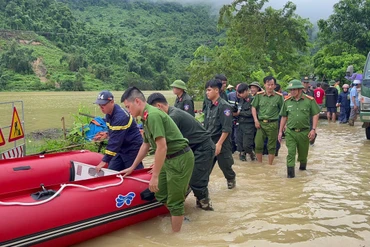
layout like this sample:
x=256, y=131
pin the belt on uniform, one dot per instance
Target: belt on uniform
x=268, y=121
x=171, y=156
x=298, y=130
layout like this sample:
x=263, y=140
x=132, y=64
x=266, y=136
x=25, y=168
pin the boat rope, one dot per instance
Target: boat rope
x=63, y=186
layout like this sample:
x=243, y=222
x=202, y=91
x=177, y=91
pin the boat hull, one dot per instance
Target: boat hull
x=47, y=169
x=77, y=214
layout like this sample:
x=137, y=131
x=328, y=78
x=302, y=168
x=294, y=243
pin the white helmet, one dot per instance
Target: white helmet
x=356, y=82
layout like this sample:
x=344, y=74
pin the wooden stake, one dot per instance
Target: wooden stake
x=64, y=128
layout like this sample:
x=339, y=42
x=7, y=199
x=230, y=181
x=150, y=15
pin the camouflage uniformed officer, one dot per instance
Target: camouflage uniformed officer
x=199, y=141
x=297, y=110
x=183, y=100
x=266, y=107
x=246, y=128
x=219, y=125
x=173, y=160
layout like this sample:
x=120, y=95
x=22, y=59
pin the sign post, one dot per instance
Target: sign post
x=2, y=140
x=16, y=129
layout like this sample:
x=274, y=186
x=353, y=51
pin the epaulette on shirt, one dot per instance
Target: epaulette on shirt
x=287, y=97
x=261, y=92
x=279, y=93
x=310, y=97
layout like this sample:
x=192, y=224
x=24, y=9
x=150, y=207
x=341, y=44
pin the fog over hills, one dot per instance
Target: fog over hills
x=312, y=9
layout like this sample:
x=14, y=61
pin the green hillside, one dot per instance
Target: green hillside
x=90, y=44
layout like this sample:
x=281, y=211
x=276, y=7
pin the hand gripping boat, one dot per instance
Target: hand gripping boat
x=58, y=200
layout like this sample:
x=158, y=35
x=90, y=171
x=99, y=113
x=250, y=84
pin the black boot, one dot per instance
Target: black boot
x=252, y=155
x=291, y=172
x=231, y=184
x=242, y=156
x=205, y=204
x=302, y=167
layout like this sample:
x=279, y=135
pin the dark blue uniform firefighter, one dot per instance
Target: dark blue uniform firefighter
x=124, y=136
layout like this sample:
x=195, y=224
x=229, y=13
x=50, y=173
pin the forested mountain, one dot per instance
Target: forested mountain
x=92, y=44
x=112, y=44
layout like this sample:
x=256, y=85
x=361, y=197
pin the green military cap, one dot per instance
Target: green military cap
x=179, y=84
x=256, y=84
x=331, y=83
x=295, y=84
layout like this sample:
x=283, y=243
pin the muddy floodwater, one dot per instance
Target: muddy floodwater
x=327, y=205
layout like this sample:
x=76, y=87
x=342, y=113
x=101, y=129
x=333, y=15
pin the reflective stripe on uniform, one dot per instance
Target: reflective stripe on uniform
x=121, y=127
x=110, y=153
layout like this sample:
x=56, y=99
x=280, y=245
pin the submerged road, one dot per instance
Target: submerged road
x=327, y=205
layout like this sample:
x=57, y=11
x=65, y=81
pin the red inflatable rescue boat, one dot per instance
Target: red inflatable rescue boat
x=58, y=200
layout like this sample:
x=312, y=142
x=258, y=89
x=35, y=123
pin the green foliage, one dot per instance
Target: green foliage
x=343, y=39
x=18, y=59
x=111, y=39
x=332, y=67
x=349, y=24
x=259, y=42
x=75, y=62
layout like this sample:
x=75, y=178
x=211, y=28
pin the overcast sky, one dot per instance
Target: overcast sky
x=312, y=9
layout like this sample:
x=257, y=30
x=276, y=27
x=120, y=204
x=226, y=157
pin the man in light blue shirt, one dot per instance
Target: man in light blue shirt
x=355, y=102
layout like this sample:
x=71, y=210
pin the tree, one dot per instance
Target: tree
x=349, y=24
x=343, y=39
x=257, y=39
x=334, y=66
x=18, y=59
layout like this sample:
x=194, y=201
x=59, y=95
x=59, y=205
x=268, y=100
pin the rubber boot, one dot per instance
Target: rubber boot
x=242, y=156
x=302, y=166
x=205, y=204
x=231, y=184
x=351, y=122
x=252, y=155
x=291, y=172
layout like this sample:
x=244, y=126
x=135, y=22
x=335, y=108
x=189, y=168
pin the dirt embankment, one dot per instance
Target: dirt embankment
x=40, y=69
x=46, y=134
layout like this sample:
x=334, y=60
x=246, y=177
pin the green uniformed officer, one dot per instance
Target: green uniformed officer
x=199, y=141
x=296, y=112
x=173, y=160
x=266, y=107
x=255, y=87
x=219, y=124
x=306, y=90
x=183, y=100
x=246, y=128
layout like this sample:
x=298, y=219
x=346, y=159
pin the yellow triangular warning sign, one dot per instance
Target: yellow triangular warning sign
x=2, y=140
x=16, y=130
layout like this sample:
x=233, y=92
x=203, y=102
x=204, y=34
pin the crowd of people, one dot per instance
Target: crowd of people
x=246, y=119
x=342, y=102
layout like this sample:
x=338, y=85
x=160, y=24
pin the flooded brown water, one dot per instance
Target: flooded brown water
x=327, y=205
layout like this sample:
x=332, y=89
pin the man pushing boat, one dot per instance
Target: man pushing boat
x=124, y=135
x=173, y=159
